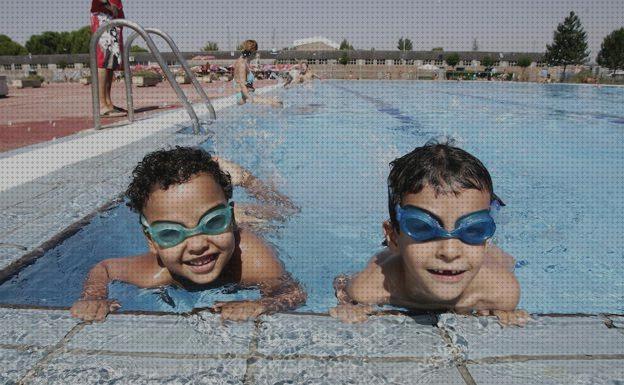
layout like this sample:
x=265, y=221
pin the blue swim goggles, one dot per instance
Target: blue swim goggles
x=168, y=234
x=473, y=229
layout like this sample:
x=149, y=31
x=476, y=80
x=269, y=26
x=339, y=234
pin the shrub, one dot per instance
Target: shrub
x=34, y=77
x=147, y=74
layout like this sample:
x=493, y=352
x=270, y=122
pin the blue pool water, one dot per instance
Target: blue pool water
x=556, y=153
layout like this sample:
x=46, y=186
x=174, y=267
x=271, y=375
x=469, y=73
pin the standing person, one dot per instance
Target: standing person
x=108, y=52
x=244, y=78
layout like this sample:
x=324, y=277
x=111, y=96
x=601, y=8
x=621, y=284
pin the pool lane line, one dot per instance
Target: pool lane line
x=410, y=125
x=617, y=119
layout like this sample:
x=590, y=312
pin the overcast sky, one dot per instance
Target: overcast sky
x=498, y=25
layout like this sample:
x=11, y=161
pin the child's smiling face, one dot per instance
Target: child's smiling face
x=440, y=269
x=200, y=258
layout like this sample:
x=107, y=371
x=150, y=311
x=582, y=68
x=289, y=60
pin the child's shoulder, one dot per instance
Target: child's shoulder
x=259, y=261
x=373, y=284
x=495, y=288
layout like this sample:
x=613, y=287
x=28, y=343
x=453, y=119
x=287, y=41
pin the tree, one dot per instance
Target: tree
x=344, y=58
x=452, y=59
x=437, y=49
x=211, y=46
x=475, y=45
x=45, y=44
x=405, y=44
x=524, y=62
x=569, y=44
x=487, y=61
x=49, y=42
x=611, y=54
x=138, y=49
x=11, y=48
x=344, y=45
x=80, y=40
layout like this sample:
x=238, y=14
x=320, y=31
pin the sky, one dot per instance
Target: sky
x=498, y=25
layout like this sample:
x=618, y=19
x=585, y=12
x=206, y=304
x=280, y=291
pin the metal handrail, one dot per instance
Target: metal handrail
x=152, y=47
x=180, y=58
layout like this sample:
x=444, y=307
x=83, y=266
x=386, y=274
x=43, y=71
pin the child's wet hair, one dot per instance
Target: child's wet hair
x=445, y=168
x=164, y=168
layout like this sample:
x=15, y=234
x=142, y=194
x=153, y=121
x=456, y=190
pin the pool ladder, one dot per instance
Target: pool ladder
x=144, y=33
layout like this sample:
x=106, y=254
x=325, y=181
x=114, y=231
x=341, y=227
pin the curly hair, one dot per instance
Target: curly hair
x=446, y=168
x=164, y=168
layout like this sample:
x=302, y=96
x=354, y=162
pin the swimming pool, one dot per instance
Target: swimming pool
x=555, y=153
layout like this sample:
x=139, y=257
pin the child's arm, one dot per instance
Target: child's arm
x=348, y=310
x=254, y=186
x=260, y=267
x=141, y=270
x=498, y=295
x=358, y=295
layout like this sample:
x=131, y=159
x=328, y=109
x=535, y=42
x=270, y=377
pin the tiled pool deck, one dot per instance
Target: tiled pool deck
x=58, y=193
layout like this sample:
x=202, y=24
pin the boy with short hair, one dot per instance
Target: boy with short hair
x=183, y=198
x=438, y=255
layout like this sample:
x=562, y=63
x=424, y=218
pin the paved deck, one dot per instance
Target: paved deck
x=55, y=187
x=29, y=115
x=49, y=347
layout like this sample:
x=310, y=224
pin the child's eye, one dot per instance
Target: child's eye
x=475, y=230
x=215, y=222
x=416, y=225
x=168, y=234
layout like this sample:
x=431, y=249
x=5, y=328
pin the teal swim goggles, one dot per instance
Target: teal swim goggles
x=472, y=229
x=168, y=234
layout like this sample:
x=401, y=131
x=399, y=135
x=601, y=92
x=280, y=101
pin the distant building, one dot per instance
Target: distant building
x=315, y=44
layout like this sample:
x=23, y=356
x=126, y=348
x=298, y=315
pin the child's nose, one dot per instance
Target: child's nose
x=449, y=249
x=197, y=244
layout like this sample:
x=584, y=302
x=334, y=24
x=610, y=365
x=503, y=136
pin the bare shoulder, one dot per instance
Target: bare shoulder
x=498, y=257
x=496, y=288
x=259, y=261
x=141, y=270
x=369, y=285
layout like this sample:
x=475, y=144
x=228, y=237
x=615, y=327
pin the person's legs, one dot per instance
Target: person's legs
x=102, y=90
x=109, y=84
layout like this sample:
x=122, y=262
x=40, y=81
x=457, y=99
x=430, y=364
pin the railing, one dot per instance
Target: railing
x=179, y=57
x=154, y=50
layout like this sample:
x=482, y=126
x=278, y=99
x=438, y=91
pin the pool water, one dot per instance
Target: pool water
x=556, y=154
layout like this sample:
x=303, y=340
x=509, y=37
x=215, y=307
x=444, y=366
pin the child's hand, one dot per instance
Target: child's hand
x=350, y=313
x=94, y=309
x=508, y=318
x=239, y=310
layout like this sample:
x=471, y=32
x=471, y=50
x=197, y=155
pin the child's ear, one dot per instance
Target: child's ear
x=390, y=235
x=150, y=243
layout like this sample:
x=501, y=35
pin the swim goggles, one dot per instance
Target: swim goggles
x=473, y=229
x=168, y=234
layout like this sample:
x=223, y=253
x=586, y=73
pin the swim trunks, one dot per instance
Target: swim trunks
x=109, y=48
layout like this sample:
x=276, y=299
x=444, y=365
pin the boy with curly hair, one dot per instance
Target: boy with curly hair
x=183, y=198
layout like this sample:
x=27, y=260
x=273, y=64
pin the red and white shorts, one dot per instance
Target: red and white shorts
x=110, y=46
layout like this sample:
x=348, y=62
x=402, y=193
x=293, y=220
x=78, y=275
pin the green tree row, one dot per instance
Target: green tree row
x=46, y=43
